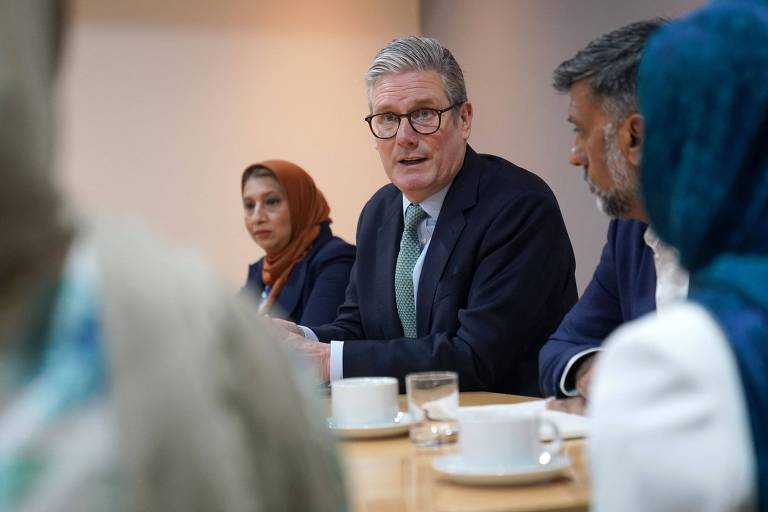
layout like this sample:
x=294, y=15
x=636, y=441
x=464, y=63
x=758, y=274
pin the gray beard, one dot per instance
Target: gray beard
x=620, y=200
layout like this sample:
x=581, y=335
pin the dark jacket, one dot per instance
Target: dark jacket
x=497, y=279
x=316, y=285
x=623, y=288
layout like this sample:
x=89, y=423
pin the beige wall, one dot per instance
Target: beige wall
x=508, y=49
x=164, y=103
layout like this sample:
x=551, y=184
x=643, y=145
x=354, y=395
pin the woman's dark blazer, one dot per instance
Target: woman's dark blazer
x=316, y=285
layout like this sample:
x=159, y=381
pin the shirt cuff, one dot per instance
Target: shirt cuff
x=568, y=367
x=337, y=360
x=309, y=333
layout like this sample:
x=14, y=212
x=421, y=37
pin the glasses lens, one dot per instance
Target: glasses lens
x=385, y=125
x=425, y=120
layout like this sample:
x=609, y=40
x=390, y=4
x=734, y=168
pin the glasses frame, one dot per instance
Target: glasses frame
x=408, y=115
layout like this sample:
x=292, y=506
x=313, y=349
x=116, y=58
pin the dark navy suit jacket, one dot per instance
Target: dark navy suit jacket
x=623, y=288
x=315, y=286
x=497, y=279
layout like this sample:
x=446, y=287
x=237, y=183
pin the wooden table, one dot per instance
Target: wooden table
x=390, y=475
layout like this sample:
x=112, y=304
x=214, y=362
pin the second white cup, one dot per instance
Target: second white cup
x=361, y=401
x=495, y=439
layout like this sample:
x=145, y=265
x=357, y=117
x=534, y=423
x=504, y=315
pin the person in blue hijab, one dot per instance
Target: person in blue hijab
x=680, y=400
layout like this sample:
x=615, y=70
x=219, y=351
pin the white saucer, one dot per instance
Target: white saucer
x=398, y=426
x=453, y=467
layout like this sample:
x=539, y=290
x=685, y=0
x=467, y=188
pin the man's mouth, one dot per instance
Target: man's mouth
x=411, y=161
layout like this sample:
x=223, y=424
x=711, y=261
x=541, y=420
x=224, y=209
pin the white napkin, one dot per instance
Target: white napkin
x=572, y=426
x=441, y=409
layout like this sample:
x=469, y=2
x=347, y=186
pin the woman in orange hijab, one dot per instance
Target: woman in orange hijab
x=305, y=270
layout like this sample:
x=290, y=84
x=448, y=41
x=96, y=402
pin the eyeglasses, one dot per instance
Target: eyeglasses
x=423, y=120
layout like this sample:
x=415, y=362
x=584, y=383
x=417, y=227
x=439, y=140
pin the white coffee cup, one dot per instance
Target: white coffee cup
x=361, y=401
x=495, y=439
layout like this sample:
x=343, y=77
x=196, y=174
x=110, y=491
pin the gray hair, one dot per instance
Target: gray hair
x=611, y=64
x=418, y=54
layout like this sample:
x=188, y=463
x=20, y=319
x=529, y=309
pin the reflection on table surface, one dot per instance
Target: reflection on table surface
x=388, y=475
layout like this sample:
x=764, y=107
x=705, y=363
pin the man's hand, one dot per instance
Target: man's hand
x=314, y=354
x=584, y=375
x=577, y=404
x=572, y=405
x=287, y=326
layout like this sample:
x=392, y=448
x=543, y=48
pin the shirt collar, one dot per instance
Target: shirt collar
x=659, y=248
x=651, y=238
x=432, y=204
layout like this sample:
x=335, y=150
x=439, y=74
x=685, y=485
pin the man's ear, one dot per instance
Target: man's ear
x=465, y=119
x=631, y=136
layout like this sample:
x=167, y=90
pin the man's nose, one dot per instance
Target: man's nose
x=578, y=157
x=406, y=135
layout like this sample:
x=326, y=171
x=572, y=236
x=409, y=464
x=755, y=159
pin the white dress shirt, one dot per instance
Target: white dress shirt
x=670, y=425
x=432, y=206
x=671, y=286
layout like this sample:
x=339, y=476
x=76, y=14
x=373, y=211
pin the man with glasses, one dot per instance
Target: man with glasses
x=463, y=261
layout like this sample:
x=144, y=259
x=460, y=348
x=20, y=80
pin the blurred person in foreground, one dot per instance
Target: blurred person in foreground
x=305, y=270
x=637, y=273
x=463, y=260
x=680, y=399
x=129, y=378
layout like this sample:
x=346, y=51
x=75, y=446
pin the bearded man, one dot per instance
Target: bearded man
x=636, y=274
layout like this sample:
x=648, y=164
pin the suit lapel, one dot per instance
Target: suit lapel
x=293, y=287
x=461, y=196
x=293, y=290
x=388, y=236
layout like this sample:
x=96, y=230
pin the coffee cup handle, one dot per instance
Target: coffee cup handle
x=552, y=448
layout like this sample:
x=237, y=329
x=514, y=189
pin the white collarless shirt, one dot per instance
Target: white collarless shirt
x=671, y=278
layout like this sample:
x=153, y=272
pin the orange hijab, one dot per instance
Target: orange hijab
x=308, y=210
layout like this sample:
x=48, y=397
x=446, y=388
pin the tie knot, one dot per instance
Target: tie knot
x=413, y=215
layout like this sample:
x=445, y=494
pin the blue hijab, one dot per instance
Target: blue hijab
x=703, y=89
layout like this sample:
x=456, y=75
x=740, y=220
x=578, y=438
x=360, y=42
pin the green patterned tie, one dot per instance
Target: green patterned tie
x=410, y=248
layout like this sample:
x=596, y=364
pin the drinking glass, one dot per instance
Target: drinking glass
x=433, y=403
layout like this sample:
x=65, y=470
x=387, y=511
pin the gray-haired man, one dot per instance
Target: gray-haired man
x=636, y=273
x=463, y=261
